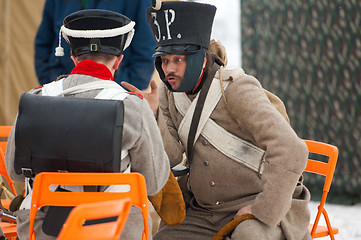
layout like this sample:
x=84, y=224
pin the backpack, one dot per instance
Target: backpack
x=57, y=134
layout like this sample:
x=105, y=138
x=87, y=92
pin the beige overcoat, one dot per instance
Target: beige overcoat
x=221, y=185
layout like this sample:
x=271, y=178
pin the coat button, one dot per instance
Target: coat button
x=212, y=184
x=206, y=163
x=204, y=142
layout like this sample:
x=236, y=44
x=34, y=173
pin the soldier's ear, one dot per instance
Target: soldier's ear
x=75, y=60
x=117, y=62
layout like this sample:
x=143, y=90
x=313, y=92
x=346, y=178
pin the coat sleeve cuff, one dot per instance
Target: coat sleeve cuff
x=271, y=205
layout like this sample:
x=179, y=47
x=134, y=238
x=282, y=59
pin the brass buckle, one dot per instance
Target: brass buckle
x=93, y=47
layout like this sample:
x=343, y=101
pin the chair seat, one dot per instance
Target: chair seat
x=6, y=224
x=322, y=231
x=9, y=229
x=6, y=203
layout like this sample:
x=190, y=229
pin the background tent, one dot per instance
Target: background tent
x=19, y=21
x=309, y=54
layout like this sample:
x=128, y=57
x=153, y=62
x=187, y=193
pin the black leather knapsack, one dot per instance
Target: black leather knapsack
x=68, y=134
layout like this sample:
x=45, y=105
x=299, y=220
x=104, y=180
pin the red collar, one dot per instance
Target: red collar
x=94, y=69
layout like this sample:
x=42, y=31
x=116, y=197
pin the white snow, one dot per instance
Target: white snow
x=345, y=217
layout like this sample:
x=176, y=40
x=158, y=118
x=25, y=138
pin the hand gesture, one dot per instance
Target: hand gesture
x=152, y=96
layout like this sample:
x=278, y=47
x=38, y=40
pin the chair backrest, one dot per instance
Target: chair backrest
x=4, y=173
x=74, y=226
x=326, y=169
x=4, y=134
x=43, y=196
x=9, y=229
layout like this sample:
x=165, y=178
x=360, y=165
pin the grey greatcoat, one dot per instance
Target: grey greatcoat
x=220, y=185
x=141, y=137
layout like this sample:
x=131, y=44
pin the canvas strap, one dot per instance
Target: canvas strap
x=227, y=143
x=187, y=107
x=198, y=110
x=56, y=89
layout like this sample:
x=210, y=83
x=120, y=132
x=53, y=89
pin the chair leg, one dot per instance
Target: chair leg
x=328, y=223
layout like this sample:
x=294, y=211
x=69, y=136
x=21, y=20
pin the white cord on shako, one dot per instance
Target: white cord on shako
x=129, y=28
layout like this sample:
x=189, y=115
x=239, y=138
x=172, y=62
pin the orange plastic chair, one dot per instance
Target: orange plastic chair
x=9, y=229
x=4, y=173
x=4, y=133
x=43, y=196
x=327, y=170
x=74, y=225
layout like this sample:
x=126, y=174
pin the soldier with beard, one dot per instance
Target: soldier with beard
x=245, y=160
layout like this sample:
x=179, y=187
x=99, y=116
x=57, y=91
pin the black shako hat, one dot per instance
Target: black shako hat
x=181, y=23
x=96, y=30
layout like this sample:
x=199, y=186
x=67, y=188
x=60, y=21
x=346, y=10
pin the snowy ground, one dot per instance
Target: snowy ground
x=346, y=218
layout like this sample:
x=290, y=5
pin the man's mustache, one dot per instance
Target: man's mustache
x=172, y=75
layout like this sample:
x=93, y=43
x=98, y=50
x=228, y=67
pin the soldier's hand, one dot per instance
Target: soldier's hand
x=152, y=97
x=246, y=210
x=243, y=211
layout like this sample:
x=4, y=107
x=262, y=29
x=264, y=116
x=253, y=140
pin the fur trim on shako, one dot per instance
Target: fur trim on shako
x=105, y=18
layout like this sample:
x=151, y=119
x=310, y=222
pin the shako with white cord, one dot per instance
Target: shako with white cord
x=96, y=31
